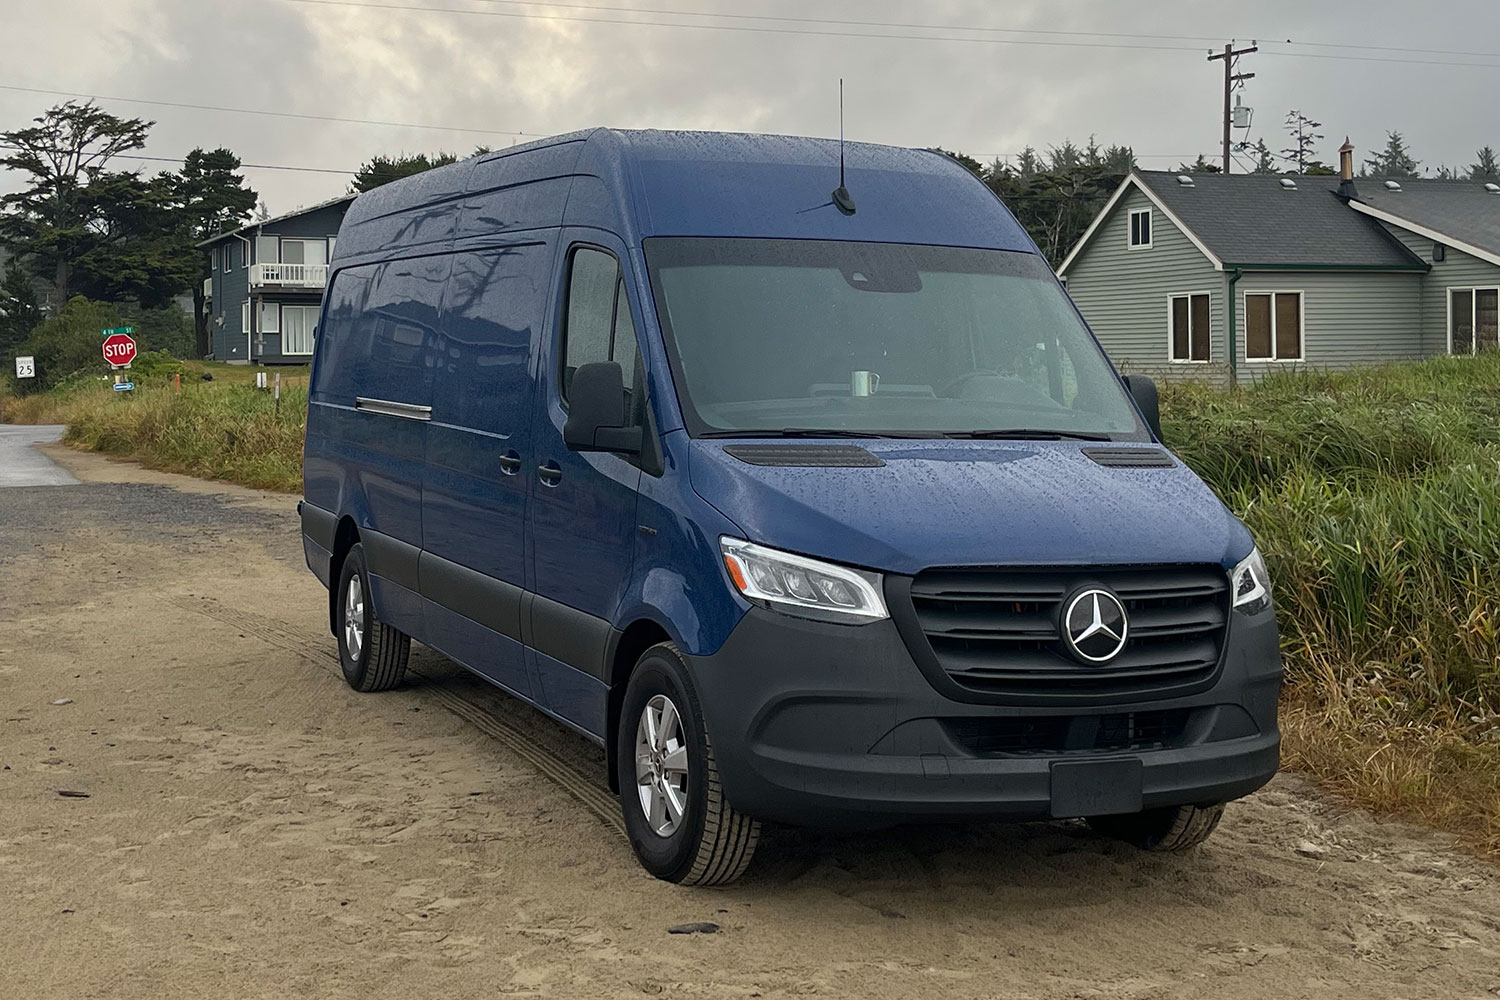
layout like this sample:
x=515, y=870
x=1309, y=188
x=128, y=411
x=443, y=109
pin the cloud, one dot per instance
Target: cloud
x=540, y=75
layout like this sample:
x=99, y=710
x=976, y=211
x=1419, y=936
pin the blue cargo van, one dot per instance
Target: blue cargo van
x=811, y=499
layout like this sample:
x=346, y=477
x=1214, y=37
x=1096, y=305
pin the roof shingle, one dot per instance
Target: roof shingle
x=1253, y=219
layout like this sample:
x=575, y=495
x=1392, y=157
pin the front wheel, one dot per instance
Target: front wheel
x=1174, y=828
x=678, y=822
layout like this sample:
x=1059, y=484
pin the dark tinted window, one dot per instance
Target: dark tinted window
x=832, y=336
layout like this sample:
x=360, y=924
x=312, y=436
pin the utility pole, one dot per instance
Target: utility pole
x=1230, y=79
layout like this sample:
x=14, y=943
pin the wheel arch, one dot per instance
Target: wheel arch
x=625, y=650
x=345, y=537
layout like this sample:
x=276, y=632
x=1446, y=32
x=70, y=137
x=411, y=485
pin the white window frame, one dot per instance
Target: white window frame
x=272, y=309
x=273, y=241
x=312, y=336
x=1473, y=291
x=1189, y=296
x=1244, y=318
x=304, y=241
x=1130, y=243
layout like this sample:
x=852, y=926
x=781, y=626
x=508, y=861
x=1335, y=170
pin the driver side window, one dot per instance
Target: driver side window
x=597, y=326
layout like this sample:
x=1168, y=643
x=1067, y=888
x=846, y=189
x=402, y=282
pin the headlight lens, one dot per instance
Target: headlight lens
x=1251, y=584
x=801, y=586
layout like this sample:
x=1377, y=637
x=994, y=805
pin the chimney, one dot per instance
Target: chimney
x=1346, y=170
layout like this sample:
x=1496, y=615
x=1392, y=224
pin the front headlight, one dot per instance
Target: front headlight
x=801, y=586
x=1251, y=584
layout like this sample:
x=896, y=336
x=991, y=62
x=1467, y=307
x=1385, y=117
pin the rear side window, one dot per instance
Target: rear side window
x=598, y=325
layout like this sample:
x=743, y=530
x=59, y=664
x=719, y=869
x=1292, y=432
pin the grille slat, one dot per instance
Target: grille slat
x=998, y=630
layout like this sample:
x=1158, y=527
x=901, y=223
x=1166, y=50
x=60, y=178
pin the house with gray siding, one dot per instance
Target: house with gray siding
x=265, y=291
x=1231, y=277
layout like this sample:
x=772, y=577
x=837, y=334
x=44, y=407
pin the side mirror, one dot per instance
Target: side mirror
x=596, y=411
x=1144, y=391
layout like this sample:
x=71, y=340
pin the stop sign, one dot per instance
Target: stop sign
x=119, y=349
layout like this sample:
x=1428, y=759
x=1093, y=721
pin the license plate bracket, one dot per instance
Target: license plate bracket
x=1096, y=787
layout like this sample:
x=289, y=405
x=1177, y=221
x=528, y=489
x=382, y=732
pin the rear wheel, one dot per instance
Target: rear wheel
x=681, y=828
x=372, y=653
x=1174, y=828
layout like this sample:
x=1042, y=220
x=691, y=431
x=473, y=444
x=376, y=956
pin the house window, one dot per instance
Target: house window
x=1273, y=326
x=303, y=252
x=265, y=250
x=299, y=326
x=332, y=241
x=1189, y=327
x=270, y=317
x=245, y=316
x=1140, y=229
x=1473, y=320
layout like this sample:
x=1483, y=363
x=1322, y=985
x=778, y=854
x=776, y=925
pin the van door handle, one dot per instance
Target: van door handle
x=510, y=463
x=549, y=473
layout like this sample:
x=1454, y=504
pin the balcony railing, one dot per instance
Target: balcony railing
x=288, y=275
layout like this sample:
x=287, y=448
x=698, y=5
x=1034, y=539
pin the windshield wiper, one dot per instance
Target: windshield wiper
x=819, y=432
x=1029, y=434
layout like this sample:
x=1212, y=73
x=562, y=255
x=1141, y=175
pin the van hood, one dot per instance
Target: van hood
x=970, y=503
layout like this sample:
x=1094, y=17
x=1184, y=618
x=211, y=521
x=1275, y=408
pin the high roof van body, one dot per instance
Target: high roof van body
x=809, y=506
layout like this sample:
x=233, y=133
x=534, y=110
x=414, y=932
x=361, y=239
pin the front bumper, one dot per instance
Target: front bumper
x=830, y=725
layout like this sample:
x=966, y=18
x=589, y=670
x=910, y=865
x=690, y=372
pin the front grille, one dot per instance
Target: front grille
x=1057, y=734
x=997, y=630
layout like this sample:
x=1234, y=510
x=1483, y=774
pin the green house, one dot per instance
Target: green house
x=1214, y=276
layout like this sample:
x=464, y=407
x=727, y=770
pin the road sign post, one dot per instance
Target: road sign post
x=26, y=367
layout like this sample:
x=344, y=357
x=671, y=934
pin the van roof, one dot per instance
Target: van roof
x=648, y=183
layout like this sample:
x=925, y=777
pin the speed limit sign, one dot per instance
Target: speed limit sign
x=26, y=367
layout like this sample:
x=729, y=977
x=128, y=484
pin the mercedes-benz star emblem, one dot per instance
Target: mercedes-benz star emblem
x=1095, y=626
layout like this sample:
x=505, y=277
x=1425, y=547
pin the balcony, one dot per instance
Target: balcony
x=288, y=275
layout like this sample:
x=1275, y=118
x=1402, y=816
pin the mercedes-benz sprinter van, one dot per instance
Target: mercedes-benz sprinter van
x=811, y=501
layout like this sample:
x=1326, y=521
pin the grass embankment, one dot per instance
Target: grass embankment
x=224, y=429
x=1374, y=494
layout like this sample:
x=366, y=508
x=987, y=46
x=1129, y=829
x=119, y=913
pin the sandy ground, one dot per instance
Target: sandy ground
x=255, y=829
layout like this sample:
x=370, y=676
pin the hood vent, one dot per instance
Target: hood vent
x=1130, y=458
x=805, y=456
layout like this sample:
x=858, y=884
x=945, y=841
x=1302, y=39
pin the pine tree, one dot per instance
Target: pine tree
x=1305, y=136
x=1488, y=167
x=1393, y=161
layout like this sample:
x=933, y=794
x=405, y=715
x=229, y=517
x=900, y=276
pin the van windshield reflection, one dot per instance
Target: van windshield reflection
x=807, y=338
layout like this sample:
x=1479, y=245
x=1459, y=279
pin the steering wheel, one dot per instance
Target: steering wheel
x=950, y=386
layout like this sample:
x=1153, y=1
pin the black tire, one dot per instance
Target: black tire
x=380, y=663
x=712, y=843
x=1175, y=828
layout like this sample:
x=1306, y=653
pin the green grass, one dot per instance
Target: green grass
x=224, y=429
x=1374, y=494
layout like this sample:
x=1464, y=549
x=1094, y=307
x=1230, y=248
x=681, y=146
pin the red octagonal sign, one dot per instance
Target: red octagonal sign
x=119, y=349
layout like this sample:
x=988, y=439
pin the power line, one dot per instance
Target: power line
x=760, y=29
x=273, y=114
x=849, y=22
x=854, y=22
x=180, y=159
x=767, y=29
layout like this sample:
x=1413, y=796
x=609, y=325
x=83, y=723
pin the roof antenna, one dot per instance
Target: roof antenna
x=841, y=196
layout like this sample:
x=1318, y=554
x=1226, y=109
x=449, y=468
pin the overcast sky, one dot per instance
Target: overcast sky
x=522, y=68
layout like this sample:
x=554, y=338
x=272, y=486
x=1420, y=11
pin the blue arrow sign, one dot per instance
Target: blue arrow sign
x=124, y=386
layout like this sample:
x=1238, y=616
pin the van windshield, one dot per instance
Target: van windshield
x=821, y=338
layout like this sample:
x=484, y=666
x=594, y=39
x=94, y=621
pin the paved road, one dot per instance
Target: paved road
x=23, y=465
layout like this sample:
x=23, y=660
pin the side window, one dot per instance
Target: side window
x=598, y=325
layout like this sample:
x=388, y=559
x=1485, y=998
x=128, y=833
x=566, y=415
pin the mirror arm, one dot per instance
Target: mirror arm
x=624, y=440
